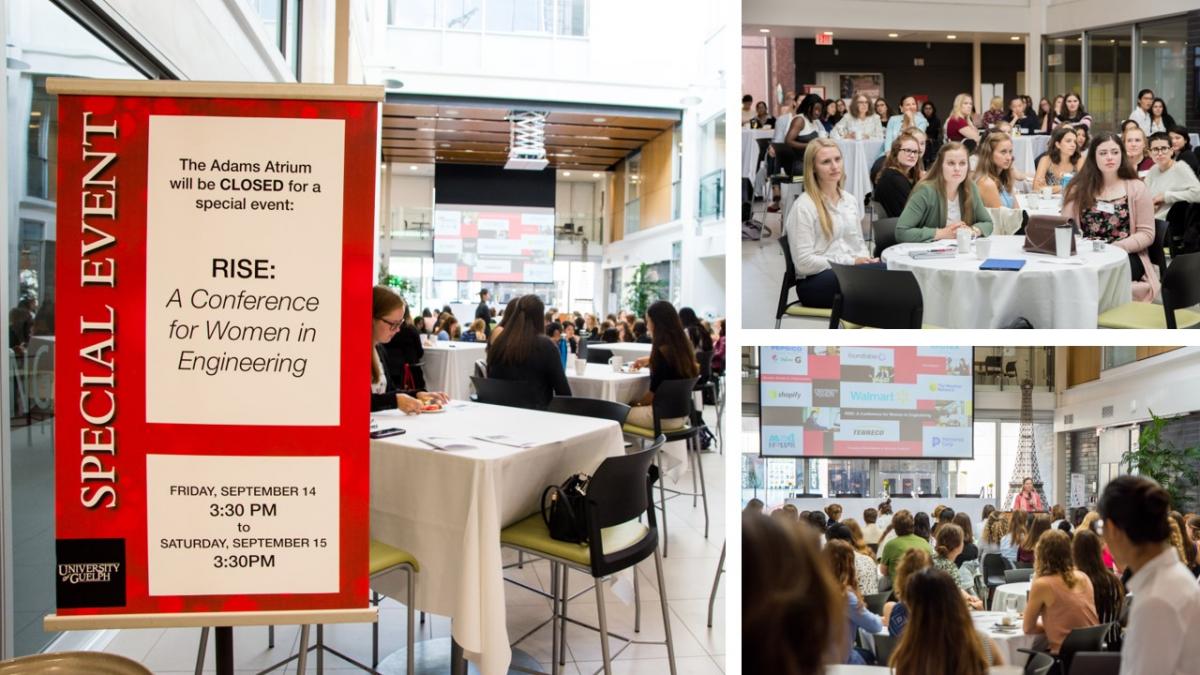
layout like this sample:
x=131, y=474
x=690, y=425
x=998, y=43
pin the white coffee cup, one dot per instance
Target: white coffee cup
x=1006, y=620
x=1032, y=200
x=580, y=366
x=1048, y=192
x=616, y=362
x=983, y=248
x=963, y=239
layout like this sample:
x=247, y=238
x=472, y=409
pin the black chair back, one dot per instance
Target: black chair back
x=1156, y=253
x=789, y=277
x=704, y=359
x=784, y=156
x=885, y=234
x=884, y=646
x=876, y=601
x=875, y=297
x=1039, y=663
x=993, y=569
x=1089, y=639
x=1017, y=576
x=620, y=491
x=1181, y=285
x=598, y=355
x=1096, y=663
x=673, y=399
x=511, y=393
x=589, y=407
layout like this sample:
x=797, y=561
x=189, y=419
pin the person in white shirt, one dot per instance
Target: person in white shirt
x=824, y=226
x=747, y=109
x=1141, y=114
x=804, y=127
x=859, y=123
x=1164, y=621
x=1169, y=181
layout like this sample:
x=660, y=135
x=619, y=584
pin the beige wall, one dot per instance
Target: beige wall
x=654, y=207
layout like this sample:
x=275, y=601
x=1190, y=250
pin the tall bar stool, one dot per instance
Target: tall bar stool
x=620, y=491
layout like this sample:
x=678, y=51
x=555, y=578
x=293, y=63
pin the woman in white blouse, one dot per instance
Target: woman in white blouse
x=824, y=226
x=859, y=123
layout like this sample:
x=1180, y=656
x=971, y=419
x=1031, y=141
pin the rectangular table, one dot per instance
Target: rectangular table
x=600, y=381
x=448, y=366
x=447, y=507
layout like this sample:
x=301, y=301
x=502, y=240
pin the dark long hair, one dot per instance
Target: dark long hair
x=1056, y=154
x=701, y=339
x=524, y=325
x=939, y=618
x=1064, y=117
x=671, y=346
x=1088, y=183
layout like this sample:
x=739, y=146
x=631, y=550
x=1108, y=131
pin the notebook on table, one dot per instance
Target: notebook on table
x=1002, y=264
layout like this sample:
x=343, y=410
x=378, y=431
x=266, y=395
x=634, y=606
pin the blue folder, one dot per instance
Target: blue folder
x=1003, y=264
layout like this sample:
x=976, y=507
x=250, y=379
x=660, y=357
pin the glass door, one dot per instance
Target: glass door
x=1110, y=97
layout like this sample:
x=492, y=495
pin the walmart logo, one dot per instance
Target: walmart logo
x=781, y=442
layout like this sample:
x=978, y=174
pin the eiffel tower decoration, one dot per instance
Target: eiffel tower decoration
x=1026, y=465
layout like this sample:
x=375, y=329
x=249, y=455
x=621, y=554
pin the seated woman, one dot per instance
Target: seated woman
x=1062, y=161
x=387, y=309
x=949, y=546
x=900, y=172
x=1181, y=148
x=672, y=357
x=1110, y=203
x=908, y=117
x=1170, y=183
x=944, y=201
x=960, y=125
x=994, y=113
x=523, y=352
x=1082, y=141
x=476, y=332
x=823, y=226
x=994, y=172
x=1136, y=152
x=1027, y=548
x=404, y=354
x=701, y=339
x=895, y=614
x=859, y=123
x=840, y=556
x=941, y=637
x=1060, y=597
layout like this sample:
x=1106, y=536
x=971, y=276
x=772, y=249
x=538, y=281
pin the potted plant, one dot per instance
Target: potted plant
x=1158, y=458
x=402, y=286
x=643, y=289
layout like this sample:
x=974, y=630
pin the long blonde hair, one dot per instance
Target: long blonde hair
x=986, y=166
x=1053, y=557
x=935, y=180
x=956, y=111
x=813, y=188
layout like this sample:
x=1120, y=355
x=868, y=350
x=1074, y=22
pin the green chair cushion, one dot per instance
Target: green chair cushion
x=531, y=534
x=1145, y=315
x=647, y=432
x=800, y=310
x=384, y=557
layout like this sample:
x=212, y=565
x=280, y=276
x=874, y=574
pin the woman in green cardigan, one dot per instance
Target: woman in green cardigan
x=944, y=202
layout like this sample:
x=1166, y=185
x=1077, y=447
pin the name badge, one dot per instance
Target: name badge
x=1105, y=207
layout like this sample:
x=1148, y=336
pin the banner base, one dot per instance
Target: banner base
x=56, y=622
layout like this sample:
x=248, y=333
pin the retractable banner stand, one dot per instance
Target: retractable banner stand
x=213, y=289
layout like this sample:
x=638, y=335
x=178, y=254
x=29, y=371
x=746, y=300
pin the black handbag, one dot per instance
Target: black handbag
x=563, y=509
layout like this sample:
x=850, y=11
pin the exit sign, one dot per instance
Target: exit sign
x=824, y=40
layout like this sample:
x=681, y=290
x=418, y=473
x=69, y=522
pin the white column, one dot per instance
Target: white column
x=977, y=76
x=1033, y=52
x=689, y=197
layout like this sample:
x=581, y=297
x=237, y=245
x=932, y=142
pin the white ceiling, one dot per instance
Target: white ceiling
x=809, y=33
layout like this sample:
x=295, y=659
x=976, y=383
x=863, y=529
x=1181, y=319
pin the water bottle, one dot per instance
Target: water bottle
x=562, y=352
x=1066, y=179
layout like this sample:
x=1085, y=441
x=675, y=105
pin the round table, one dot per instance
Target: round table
x=1048, y=291
x=1026, y=148
x=448, y=366
x=599, y=380
x=1010, y=597
x=857, y=158
x=626, y=350
x=1009, y=641
x=751, y=149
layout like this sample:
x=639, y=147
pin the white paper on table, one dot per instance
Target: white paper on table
x=447, y=443
x=501, y=439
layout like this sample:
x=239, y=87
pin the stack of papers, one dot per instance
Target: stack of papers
x=501, y=439
x=447, y=443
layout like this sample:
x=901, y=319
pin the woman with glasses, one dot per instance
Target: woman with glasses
x=387, y=309
x=900, y=172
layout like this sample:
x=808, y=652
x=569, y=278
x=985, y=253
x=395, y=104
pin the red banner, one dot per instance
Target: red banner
x=215, y=259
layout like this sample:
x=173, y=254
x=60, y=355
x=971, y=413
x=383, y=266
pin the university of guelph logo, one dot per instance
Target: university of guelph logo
x=90, y=573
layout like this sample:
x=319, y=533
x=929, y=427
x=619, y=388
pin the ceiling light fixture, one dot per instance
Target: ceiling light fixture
x=828, y=32
x=412, y=167
x=764, y=30
x=599, y=120
x=567, y=174
x=893, y=35
x=951, y=37
x=595, y=175
x=451, y=112
x=1015, y=38
x=1162, y=42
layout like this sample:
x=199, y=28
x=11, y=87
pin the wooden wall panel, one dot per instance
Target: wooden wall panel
x=1147, y=352
x=657, y=158
x=618, y=203
x=1083, y=365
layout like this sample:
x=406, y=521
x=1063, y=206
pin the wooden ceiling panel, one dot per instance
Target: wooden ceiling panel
x=410, y=109
x=601, y=132
x=589, y=119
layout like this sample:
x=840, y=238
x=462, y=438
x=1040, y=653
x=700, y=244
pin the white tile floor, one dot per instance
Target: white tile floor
x=689, y=575
x=762, y=273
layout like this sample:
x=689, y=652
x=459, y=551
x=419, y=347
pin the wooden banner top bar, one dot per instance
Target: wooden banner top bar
x=55, y=622
x=200, y=89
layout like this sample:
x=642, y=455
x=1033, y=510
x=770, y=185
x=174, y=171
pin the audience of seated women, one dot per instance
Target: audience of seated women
x=944, y=201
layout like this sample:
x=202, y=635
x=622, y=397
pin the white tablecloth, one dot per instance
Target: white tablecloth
x=1026, y=149
x=1010, y=597
x=857, y=158
x=447, y=508
x=599, y=381
x=843, y=669
x=750, y=150
x=448, y=366
x=957, y=294
x=1051, y=206
x=1009, y=641
x=627, y=350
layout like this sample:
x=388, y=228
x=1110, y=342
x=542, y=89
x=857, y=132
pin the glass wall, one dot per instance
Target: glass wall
x=1162, y=63
x=1110, y=84
x=1063, y=66
x=50, y=43
x=550, y=17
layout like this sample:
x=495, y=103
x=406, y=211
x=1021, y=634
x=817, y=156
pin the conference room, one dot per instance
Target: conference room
x=536, y=213
x=1022, y=508
x=963, y=163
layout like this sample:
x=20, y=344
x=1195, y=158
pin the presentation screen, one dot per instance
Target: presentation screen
x=907, y=402
x=493, y=243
